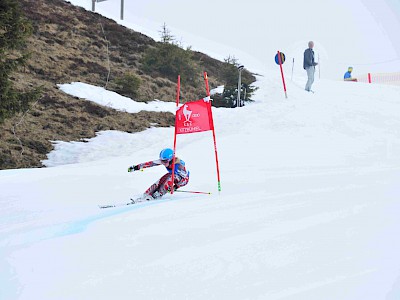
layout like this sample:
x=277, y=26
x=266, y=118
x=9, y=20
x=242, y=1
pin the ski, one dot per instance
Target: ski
x=117, y=204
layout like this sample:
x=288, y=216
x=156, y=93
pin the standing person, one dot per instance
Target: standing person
x=163, y=185
x=309, y=65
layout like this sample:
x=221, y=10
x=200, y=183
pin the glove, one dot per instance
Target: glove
x=175, y=188
x=133, y=168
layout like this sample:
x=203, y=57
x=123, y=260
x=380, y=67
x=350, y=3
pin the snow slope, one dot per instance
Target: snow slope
x=310, y=196
x=308, y=208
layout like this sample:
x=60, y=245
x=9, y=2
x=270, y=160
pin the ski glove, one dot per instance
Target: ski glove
x=133, y=168
x=175, y=188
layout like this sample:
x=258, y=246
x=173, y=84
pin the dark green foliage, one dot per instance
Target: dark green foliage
x=169, y=60
x=231, y=75
x=229, y=96
x=128, y=85
x=14, y=29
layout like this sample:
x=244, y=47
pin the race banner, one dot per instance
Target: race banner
x=194, y=117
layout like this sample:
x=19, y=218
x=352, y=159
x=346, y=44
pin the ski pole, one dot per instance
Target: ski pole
x=319, y=69
x=193, y=192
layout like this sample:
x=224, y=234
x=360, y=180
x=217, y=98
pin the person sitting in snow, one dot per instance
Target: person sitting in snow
x=163, y=185
x=347, y=75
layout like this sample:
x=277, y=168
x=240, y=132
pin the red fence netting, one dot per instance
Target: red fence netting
x=381, y=78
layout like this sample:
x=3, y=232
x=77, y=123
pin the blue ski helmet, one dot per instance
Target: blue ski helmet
x=166, y=154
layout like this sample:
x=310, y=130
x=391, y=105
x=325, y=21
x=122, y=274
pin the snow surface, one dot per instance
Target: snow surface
x=111, y=99
x=308, y=209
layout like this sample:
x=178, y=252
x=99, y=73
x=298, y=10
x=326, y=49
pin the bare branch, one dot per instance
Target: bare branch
x=108, y=55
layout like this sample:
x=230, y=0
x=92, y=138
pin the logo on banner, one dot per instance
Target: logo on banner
x=188, y=120
x=187, y=113
x=193, y=117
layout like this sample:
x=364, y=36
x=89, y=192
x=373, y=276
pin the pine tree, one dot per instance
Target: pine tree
x=166, y=36
x=170, y=60
x=14, y=30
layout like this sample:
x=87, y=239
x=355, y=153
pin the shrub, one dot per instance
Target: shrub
x=128, y=85
x=14, y=30
x=169, y=60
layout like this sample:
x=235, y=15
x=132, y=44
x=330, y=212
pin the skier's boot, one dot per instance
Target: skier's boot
x=157, y=195
x=147, y=197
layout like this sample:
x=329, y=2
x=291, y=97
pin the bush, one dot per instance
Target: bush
x=14, y=30
x=231, y=75
x=128, y=85
x=169, y=60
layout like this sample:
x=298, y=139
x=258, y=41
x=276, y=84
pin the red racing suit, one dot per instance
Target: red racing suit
x=163, y=185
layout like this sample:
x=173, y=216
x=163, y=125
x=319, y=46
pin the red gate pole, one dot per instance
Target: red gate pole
x=213, y=130
x=178, y=89
x=369, y=78
x=283, y=77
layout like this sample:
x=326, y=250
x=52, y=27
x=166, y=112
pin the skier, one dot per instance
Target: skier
x=163, y=185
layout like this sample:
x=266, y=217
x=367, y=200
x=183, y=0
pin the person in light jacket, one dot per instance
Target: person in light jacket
x=309, y=65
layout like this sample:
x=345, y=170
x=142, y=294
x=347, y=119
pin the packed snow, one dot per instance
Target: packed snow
x=308, y=208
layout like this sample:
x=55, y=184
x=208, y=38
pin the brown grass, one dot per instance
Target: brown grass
x=68, y=44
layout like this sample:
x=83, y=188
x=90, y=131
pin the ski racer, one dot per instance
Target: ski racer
x=163, y=185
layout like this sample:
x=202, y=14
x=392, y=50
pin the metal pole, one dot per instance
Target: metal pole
x=122, y=9
x=93, y=5
x=240, y=68
x=319, y=68
x=292, y=69
x=239, y=88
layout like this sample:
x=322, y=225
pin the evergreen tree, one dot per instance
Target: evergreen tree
x=14, y=30
x=170, y=60
x=166, y=36
x=228, y=98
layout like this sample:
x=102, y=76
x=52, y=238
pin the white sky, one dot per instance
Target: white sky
x=360, y=33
